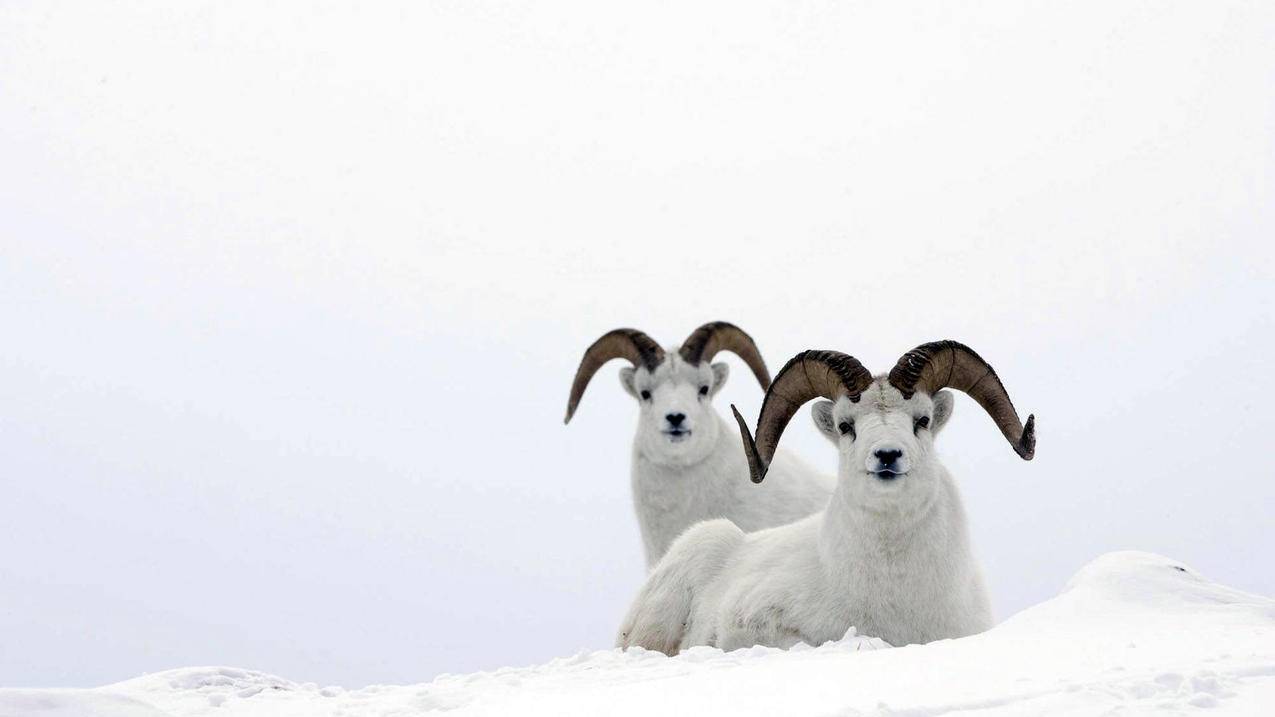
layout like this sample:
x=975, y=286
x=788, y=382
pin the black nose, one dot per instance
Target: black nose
x=675, y=419
x=888, y=458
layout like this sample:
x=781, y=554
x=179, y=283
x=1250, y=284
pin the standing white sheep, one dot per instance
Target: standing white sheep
x=687, y=466
x=889, y=556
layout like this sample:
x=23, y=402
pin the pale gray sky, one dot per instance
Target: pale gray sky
x=291, y=299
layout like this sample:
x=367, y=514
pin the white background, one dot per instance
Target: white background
x=291, y=297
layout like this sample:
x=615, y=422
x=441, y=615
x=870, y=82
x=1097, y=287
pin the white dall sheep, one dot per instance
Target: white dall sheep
x=687, y=466
x=889, y=556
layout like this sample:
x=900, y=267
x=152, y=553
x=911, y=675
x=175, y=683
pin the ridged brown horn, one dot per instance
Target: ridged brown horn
x=704, y=343
x=949, y=364
x=807, y=375
x=631, y=344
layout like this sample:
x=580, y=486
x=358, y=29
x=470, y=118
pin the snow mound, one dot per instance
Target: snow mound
x=1132, y=633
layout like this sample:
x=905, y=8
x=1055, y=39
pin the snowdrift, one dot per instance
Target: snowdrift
x=1132, y=633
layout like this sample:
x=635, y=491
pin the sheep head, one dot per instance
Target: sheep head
x=673, y=388
x=883, y=427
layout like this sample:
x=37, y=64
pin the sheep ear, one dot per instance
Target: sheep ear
x=626, y=380
x=943, y=405
x=721, y=372
x=821, y=411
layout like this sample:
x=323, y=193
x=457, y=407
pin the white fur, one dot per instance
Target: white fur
x=888, y=557
x=679, y=481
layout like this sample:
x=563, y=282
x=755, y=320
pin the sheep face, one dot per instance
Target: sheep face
x=886, y=444
x=677, y=425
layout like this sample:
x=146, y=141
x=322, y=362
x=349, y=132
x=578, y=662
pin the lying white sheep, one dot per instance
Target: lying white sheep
x=889, y=556
x=687, y=466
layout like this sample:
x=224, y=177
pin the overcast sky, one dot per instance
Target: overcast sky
x=291, y=298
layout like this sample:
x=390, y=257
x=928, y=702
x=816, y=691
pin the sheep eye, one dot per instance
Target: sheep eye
x=703, y=390
x=922, y=422
x=646, y=395
x=846, y=427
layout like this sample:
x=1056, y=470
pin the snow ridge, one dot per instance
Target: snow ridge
x=1132, y=633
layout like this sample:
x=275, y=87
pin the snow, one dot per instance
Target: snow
x=1132, y=633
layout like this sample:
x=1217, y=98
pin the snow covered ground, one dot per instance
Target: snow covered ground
x=1132, y=633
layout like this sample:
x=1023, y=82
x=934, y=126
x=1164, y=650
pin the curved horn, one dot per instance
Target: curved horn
x=942, y=364
x=808, y=375
x=631, y=344
x=707, y=340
